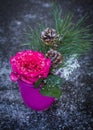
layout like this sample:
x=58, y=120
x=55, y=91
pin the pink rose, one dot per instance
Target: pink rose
x=29, y=66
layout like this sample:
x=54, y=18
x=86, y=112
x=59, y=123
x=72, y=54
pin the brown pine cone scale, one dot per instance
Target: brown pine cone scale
x=49, y=36
x=55, y=57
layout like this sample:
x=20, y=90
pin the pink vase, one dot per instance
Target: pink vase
x=33, y=98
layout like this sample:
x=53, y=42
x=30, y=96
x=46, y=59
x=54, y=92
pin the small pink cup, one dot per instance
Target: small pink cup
x=33, y=98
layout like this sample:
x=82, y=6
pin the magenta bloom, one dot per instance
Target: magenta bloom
x=29, y=66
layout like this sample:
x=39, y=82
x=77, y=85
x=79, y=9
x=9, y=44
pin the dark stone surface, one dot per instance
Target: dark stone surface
x=74, y=110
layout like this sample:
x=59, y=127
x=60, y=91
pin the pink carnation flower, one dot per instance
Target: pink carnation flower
x=29, y=66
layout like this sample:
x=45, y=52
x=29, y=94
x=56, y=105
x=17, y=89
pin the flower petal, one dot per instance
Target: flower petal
x=13, y=77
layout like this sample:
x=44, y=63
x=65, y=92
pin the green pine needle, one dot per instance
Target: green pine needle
x=35, y=42
x=75, y=39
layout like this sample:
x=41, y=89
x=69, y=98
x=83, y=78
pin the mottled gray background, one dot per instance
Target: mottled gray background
x=74, y=110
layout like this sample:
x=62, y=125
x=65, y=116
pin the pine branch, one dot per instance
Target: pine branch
x=35, y=42
x=74, y=39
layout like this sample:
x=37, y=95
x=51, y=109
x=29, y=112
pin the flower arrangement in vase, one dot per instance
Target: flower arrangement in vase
x=35, y=69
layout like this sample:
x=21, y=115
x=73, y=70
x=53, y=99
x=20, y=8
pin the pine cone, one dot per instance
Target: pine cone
x=55, y=57
x=49, y=36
